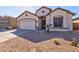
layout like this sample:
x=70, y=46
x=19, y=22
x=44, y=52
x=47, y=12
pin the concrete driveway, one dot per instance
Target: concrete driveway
x=7, y=35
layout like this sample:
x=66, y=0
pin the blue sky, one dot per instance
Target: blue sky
x=17, y=10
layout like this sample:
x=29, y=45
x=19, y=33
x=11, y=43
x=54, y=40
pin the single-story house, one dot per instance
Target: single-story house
x=76, y=23
x=4, y=24
x=60, y=19
x=6, y=21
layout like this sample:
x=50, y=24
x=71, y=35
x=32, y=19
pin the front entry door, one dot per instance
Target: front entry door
x=43, y=23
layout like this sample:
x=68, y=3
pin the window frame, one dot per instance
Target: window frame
x=58, y=21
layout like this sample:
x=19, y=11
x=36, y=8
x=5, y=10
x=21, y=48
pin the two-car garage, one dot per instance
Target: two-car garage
x=27, y=20
x=27, y=23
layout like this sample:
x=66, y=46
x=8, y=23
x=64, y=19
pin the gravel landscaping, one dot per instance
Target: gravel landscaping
x=21, y=45
x=39, y=36
x=40, y=41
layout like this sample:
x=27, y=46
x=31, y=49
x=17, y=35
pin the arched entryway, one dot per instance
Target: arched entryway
x=43, y=22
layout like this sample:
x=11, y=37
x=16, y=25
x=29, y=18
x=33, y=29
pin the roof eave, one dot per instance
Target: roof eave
x=76, y=19
x=28, y=12
x=73, y=14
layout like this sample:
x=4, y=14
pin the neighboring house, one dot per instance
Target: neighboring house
x=7, y=21
x=59, y=18
x=28, y=20
x=4, y=23
x=76, y=23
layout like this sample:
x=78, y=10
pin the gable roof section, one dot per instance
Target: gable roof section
x=76, y=19
x=48, y=13
x=25, y=12
x=63, y=10
x=43, y=7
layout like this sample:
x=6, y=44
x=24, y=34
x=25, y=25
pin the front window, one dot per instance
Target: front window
x=58, y=21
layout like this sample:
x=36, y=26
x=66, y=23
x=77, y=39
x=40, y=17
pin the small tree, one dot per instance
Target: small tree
x=48, y=28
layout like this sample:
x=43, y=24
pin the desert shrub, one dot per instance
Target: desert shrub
x=74, y=42
x=56, y=42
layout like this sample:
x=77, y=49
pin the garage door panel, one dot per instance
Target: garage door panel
x=27, y=24
x=4, y=24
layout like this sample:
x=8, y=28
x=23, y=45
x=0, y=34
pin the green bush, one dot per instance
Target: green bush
x=74, y=42
x=56, y=42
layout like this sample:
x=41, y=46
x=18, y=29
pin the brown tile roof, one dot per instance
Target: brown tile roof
x=48, y=13
x=43, y=7
x=76, y=19
x=28, y=12
x=63, y=10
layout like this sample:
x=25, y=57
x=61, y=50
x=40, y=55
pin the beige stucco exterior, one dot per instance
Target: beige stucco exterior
x=46, y=11
x=49, y=15
x=67, y=20
x=40, y=13
x=76, y=21
x=28, y=15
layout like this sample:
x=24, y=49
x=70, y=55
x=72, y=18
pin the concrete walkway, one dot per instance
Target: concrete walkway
x=7, y=35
